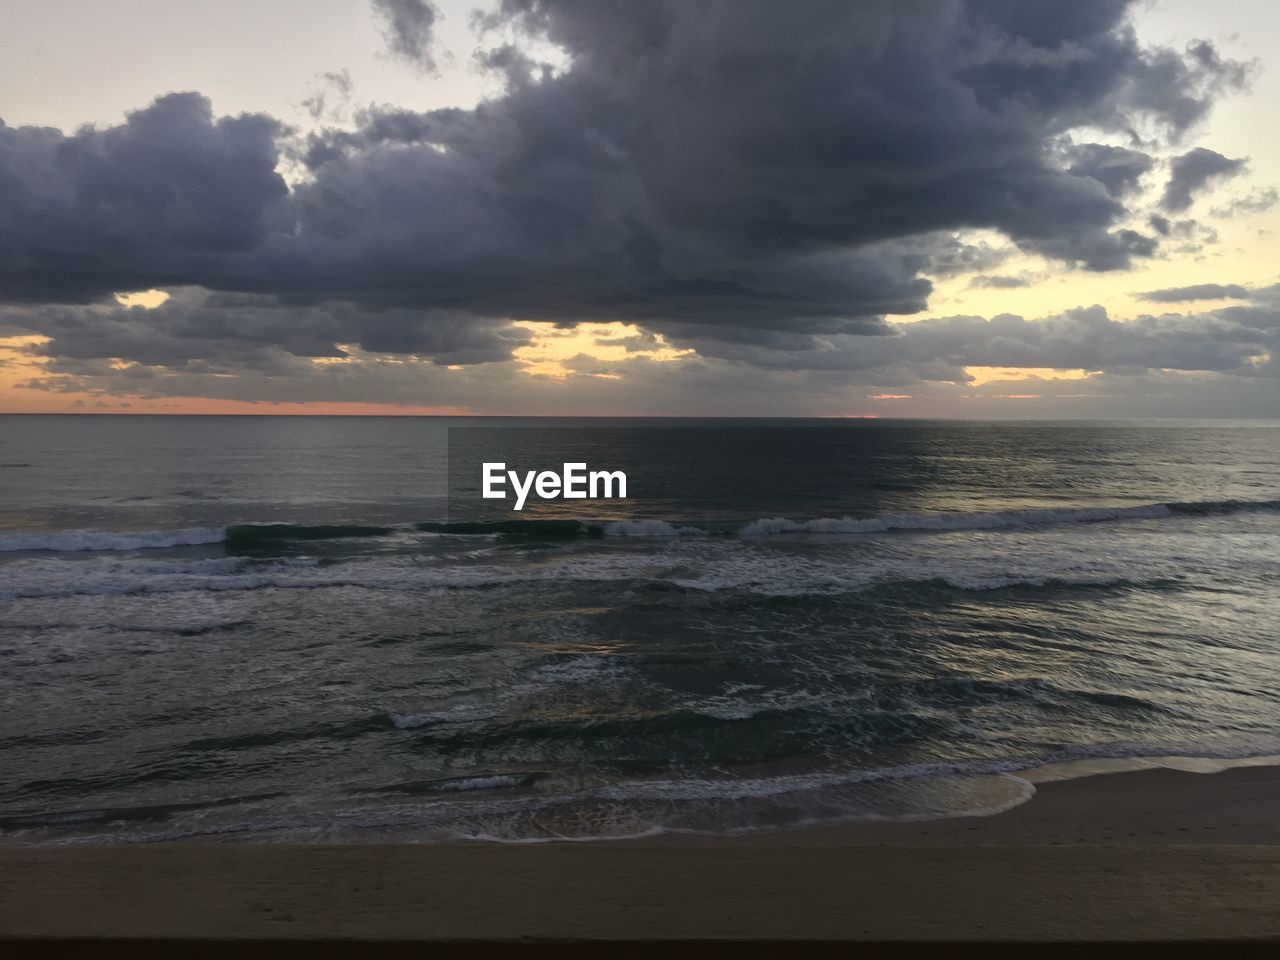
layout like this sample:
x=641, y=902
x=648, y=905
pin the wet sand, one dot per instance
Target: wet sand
x=1146, y=855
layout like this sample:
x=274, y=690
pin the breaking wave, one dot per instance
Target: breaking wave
x=251, y=535
x=72, y=541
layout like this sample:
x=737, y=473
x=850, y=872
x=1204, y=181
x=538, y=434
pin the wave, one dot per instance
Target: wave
x=651, y=528
x=987, y=520
x=119, y=814
x=992, y=584
x=74, y=541
x=622, y=811
x=244, y=535
x=251, y=535
x=486, y=807
x=1002, y=519
x=533, y=529
x=62, y=579
x=495, y=781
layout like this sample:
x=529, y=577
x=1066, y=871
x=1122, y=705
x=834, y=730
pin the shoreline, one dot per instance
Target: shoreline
x=1031, y=779
x=1154, y=804
x=1153, y=854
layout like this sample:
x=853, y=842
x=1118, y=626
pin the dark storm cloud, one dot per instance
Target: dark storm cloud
x=166, y=197
x=1117, y=169
x=1199, y=291
x=240, y=328
x=764, y=173
x=893, y=120
x=1085, y=338
x=1191, y=172
x=408, y=26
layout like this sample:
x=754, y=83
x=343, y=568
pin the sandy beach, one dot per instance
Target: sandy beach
x=1145, y=855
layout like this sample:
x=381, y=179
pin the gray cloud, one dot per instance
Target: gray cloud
x=1191, y=236
x=1117, y=169
x=330, y=96
x=167, y=197
x=408, y=26
x=946, y=255
x=196, y=326
x=1199, y=291
x=1161, y=86
x=998, y=283
x=1259, y=201
x=733, y=169
x=1086, y=339
x=1191, y=172
x=1136, y=369
x=637, y=342
x=252, y=336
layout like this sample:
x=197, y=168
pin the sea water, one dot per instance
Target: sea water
x=290, y=628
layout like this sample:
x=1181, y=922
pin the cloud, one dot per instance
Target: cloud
x=330, y=96
x=1152, y=366
x=271, y=351
x=1081, y=339
x=727, y=170
x=198, y=327
x=1258, y=201
x=1199, y=291
x=408, y=26
x=1192, y=235
x=1119, y=170
x=632, y=344
x=1191, y=172
x=949, y=255
x=168, y=197
x=1163, y=87
x=996, y=282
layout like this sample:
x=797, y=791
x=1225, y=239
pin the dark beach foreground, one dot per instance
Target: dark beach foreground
x=1150, y=855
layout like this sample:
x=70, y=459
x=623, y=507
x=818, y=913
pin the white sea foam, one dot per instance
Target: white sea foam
x=584, y=670
x=97, y=540
x=72, y=541
x=749, y=787
x=980, y=584
x=642, y=808
x=735, y=688
x=731, y=705
x=991, y=520
x=52, y=578
x=456, y=713
x=495, y=782
x=649, y=528
x=710, y=567
x=1028, y=556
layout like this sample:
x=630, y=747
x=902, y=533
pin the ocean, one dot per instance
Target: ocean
x=309, y=628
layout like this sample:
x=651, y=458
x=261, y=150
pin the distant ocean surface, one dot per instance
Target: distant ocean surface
x=281, y=628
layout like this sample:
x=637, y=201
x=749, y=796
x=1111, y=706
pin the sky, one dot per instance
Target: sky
x=945, y=208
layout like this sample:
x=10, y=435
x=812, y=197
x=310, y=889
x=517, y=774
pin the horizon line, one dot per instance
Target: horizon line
x=626, y=416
